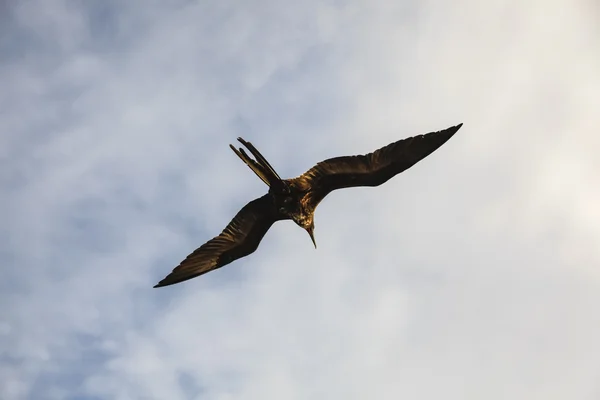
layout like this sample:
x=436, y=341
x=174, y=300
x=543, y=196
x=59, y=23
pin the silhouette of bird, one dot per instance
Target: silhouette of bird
x=297, y=198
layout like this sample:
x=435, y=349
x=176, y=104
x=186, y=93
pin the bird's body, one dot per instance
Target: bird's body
x=297, y=198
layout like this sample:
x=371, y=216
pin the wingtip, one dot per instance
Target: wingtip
x=163, y=283
x=453, y=129
x=168, y=281
x=456, y=127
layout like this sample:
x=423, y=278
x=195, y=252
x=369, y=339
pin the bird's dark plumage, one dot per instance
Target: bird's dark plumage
x=240, y=238
x=298, y=198
x=371, y=169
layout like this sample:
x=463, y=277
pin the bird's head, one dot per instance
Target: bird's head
x=307, y=223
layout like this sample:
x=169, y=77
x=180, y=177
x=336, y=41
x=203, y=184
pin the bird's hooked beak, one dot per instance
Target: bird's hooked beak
x=310, y=231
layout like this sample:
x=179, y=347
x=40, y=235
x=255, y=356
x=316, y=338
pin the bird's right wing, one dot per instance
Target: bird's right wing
x=371, y=169
x=240, y=238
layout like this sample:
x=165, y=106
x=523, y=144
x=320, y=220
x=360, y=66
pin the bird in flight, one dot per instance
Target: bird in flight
x=297, y=198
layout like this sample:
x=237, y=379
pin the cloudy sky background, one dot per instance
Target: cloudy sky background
x=474, y=275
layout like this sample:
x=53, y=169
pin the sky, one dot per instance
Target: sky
x=475, y=274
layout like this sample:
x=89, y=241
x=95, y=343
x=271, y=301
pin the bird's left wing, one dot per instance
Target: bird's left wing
x=240, y=238
x=371, y=169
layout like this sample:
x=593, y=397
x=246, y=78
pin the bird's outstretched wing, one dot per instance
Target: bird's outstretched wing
x=371, y=169
x=240, y=238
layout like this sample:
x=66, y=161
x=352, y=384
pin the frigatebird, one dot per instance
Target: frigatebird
x=297, y=198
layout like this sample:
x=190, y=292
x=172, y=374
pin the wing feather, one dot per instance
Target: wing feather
x=371, y=169
x=240, y=238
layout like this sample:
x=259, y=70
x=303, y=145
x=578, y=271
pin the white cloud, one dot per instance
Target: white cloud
x=472, y=275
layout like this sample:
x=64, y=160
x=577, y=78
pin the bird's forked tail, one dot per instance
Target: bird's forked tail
x=260, y=166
